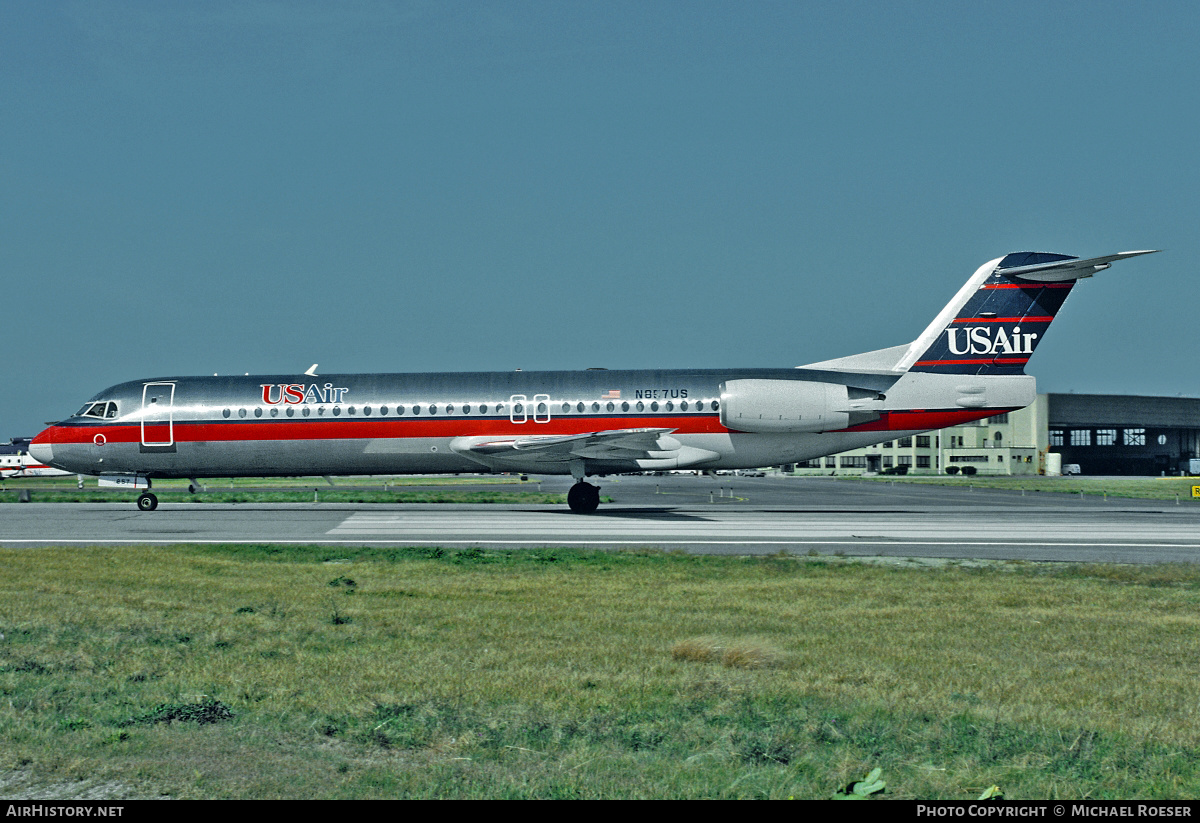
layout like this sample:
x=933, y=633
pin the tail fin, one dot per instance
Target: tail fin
x=995, y=322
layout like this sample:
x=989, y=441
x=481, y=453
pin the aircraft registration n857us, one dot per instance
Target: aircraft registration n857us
x=968, y=364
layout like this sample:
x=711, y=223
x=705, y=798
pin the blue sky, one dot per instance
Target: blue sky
x=190, y=188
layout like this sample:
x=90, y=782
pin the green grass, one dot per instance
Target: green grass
x=314, y=671
x=321, y=495
x=433, y=489
x=1153, y=488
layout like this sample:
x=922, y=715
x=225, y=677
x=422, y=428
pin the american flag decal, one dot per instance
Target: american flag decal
x=611, y=394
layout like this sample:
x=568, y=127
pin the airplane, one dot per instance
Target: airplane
x=968, y=364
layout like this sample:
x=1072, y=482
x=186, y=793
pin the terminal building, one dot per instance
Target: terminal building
x=1098, y=433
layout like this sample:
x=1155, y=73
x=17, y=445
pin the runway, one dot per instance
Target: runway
x=750, y=516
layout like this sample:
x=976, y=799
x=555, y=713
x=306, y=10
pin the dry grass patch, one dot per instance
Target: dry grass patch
x=738, y=654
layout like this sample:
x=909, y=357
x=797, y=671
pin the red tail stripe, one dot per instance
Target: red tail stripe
x=1002, y=319
x=1030, y=286
x=1008, y=361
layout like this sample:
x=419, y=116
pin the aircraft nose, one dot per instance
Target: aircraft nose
x=41, y=452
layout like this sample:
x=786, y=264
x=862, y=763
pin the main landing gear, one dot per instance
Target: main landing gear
x=583, y=498
x=147, y=502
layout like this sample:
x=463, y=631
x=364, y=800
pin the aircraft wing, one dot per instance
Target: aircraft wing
x=616, y=444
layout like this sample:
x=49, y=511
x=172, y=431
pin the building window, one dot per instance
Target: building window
x=887, y=461
x=1056, y=437
x=831, y=462
x=923, y=461
x=888, y=444
x=998, y=418
x=1081, y=437
x=854, y=462
x=922, y=441
x=905, y=442
x=1106, y=437
x=904, y=460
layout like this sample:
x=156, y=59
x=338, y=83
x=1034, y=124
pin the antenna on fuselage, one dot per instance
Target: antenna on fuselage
x=312, y=370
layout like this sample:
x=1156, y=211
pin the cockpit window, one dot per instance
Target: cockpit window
x=100, y=410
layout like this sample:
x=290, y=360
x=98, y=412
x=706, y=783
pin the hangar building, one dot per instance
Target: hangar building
x=1101, y=433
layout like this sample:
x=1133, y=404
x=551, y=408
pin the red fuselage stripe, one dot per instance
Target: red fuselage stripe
x=925, y=420
x=360, y=429
x=301, y=430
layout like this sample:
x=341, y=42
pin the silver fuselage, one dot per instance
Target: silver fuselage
x=277, y=425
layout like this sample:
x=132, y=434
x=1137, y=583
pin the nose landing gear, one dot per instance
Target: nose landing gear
x=147, y=502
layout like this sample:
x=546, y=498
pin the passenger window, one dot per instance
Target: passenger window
x=579, y=407
x=610, y=406
x=417, y=409
x=483, y=408
x=624, y=405
x=337, y=411
x=466, y=408
x=683, y=406
x=274, y=411
x=596, y=407
x=566, y=408
x=715, y=405
x=433, y=408
x=241, y=412
x=225, y=413
x=291, y=411
x=449, y=408
x=258, y=412
x=670, y=406
x=641, y=406
x=306, y=411
x=350, y=410
x=399, y=410
x=366, y=411
x=383, y=410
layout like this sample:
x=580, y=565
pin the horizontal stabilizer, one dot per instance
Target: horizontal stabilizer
x=1058, y=270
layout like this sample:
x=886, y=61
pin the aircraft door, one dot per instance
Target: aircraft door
x=158, y=413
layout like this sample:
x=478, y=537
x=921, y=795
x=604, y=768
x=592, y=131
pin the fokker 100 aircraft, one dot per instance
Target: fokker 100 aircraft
x=967, y=365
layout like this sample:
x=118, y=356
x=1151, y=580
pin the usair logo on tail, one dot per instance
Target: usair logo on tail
x=988, y=340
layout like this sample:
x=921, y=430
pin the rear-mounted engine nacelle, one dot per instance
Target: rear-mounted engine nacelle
x=784, y=406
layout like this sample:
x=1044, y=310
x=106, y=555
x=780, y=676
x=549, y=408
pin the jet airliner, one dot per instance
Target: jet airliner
x=968, y=364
